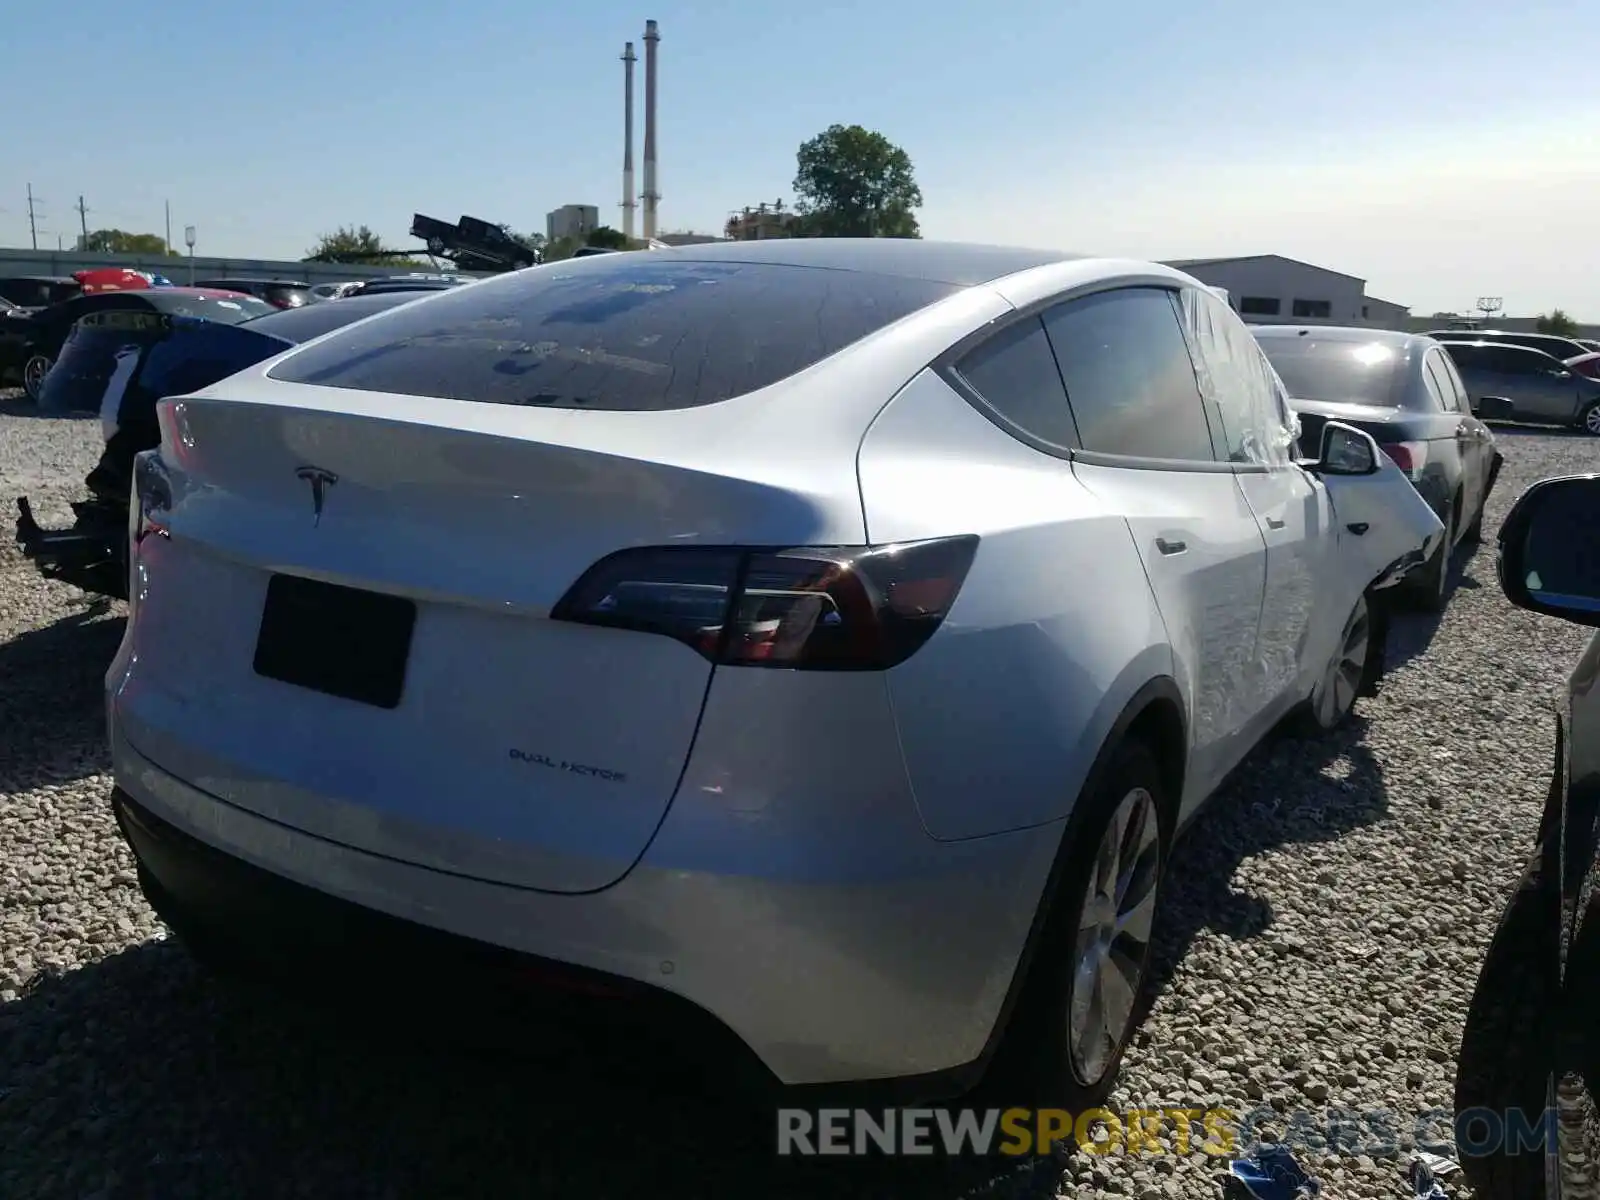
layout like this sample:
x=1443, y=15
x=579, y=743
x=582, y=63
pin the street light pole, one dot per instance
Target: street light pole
x=188, y=239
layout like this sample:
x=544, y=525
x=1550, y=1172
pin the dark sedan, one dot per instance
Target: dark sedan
x=1541, y=389
x=1403, y=390
x=1527, y=1123
x=38, y=291
x=32, y=344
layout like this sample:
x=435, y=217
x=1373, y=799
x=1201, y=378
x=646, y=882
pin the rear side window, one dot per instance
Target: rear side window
x=1129, y=377
x=1439, y=394
x=1015, y=373
x=631, y=331
x=1452, y=381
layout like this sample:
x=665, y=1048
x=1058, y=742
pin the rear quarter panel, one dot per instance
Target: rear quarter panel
x=1002, y=714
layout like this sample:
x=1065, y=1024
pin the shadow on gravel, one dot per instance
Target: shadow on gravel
x=139, y=1076
x=1290, y=789
x=52, y=708
x=20, y=406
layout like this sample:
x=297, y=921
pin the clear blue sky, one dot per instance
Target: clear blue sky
x=1442, y=150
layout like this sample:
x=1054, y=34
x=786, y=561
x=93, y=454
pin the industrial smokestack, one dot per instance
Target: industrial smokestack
x=629, y=201
x=651, y=196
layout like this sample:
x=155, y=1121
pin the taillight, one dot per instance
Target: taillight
x=828, y=608
x=1410, y=457
x=152, y=497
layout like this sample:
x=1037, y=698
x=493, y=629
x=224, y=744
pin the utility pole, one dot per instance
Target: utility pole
x=83, y=222
x=33, y=218
x=169, y=226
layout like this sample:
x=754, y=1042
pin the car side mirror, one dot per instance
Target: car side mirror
x=1549, y=559
x=1495, y=408
x=1346, y=451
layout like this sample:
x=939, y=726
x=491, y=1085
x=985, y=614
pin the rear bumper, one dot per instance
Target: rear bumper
x=828, y=972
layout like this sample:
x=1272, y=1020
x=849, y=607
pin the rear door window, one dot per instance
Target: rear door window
x=1130, y=381
x=631, y=331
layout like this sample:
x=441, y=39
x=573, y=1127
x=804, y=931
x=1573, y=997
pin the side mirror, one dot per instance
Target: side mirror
x=1495, y=408
x=1347, y=451
x=1550, y=549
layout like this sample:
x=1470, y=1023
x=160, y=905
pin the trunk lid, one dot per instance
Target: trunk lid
x=1384, y=424
x=517, y=749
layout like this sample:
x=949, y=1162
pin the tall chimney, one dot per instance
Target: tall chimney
x=651, y=196
x=629, y=200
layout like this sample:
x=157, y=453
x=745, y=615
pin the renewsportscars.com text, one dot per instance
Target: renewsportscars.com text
x=1219, y=1132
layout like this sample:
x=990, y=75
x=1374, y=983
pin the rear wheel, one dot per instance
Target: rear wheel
x=1429, y=588
x=33, y=373
x=1347, y=673
x=1589, y=422
x=1066, y=1039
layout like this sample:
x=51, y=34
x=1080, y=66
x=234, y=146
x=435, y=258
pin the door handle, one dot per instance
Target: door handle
x=1274, y=523
x=1167, y=547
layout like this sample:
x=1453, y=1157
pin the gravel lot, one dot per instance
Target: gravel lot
x=1321, y=939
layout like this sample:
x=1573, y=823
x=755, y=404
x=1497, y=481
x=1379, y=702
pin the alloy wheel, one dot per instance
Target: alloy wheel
x=33, y=374
x=1113, y=935
x=1591, y=420
x=1341, y=681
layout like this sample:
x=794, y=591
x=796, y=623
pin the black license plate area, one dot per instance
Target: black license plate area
x=339, y=640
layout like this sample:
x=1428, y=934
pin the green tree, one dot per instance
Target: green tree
x=358, y=244
x=119, y=241
x=1557, y=322
x=854, y=182
x=559, y=249
x=606, y=238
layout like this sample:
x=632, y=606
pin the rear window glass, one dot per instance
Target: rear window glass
x=1338, y=371
x=617, y=331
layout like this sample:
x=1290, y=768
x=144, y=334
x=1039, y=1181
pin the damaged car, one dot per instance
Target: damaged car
x=1403, y=389
x=32, y=343
x=823, y=638
x=119, y=363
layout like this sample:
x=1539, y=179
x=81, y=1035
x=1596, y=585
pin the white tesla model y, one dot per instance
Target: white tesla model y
x=830, y=634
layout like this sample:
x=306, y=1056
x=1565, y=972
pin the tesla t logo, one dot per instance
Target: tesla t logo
x=320, y=482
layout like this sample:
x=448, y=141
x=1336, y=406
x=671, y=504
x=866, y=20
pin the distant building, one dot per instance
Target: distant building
x=575, y=221
x=761, y=222
x=1267, y=289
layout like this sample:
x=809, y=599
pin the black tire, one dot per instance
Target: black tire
x=1311, y=722
x=1429, y=589
x=1506, y=1044
x=34, y=369
x=1589, y=419
x=1035, y=1061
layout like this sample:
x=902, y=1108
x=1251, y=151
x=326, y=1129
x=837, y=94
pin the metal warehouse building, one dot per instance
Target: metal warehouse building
x=1267, y=289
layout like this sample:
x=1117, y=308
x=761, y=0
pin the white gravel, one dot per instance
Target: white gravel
x=1321, y=938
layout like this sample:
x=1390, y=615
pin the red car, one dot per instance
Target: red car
x=1584, y=364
